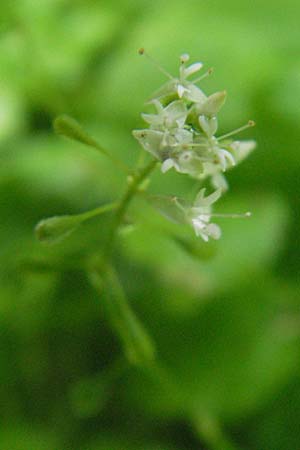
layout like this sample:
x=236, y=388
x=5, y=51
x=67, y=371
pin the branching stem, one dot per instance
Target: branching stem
x=123, y=206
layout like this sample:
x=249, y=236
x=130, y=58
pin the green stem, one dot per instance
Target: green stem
x=122, y=166
x=97, y=211
x=70, y=128
x=123, y=206
x=137, y=344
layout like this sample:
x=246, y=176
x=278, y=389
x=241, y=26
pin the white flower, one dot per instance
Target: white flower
x=186, y=161
x=181, y=86
x=168, y=164
x=241, y=149
x=174, y=115
x=163, y=144
x=199, y=215
x=182, y=136
x=224, y=158
x=206, y=230
x=150, y=140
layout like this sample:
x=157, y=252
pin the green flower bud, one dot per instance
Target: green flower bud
x=55, y=229
x=70, y=128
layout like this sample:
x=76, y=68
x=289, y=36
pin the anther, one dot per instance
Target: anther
x=142, y=51
x=205, y=75
x=250, y=124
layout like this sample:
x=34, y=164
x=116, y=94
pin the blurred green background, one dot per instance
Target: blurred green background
x=225, y=321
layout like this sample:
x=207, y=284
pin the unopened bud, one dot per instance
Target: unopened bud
x=55, y=229
x=70, y=128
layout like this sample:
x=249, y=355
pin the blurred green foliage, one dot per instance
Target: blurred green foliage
x=225, y=317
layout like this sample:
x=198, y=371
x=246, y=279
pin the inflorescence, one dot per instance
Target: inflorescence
x=181, y=134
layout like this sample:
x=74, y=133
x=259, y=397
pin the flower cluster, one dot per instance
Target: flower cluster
x=181, y=134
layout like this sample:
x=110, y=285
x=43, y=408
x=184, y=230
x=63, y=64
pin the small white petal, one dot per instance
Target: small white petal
x=194, y=94
x=193, y=68
x=176, y=113
x=167, y=165
x=180, y=90
x=202, y=201
x=159, y=107
x=198, y=225
x=213, y=231
x=241, y=149
x=222, y=161
x=152, y=119
x=205, y=218
x=204, y=236
x=167, y=89
x=204, y=124
x=183, y=136
x=213, y=125
x=228, y=156
x=219, y=181
x=213, y=104
x=150, y=140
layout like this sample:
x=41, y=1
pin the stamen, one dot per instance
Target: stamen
x=250, y=124
x=205, y=75
x=231, y=216
x=142, y=51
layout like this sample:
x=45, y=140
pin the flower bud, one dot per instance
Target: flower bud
x=55, y=229
x=70, y=128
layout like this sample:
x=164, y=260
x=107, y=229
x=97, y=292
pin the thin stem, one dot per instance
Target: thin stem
x=136, y=342
x=141, y=158
x=70, y=128
x=250, y=124
x=122, y=166
x=97, y=211
x=155, y=63
x=123, y=206
x=227, y=215
x=205, y=75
